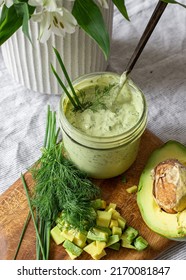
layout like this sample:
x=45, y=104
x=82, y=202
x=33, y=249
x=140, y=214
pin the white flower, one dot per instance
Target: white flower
x=52, y=19
x=58, y=22
x=47, y=4
x=8, y=3
x=35, y=3
x=103, y=3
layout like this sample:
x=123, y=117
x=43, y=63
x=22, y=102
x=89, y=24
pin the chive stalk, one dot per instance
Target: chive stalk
x=73, y=98
x=22, y=234
x=67, y=77
x=32, y=214
x=47, y=127
x=64, y=88
x=47, y=241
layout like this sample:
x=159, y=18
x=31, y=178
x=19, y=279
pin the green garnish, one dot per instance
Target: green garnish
x=99, y=96
x=132, y=189
x=77, y=99
x=33, y=217
x=22, y=234
x=73, y=98
x=59, y=186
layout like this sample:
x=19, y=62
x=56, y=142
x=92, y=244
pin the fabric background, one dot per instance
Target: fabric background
x=160, y=73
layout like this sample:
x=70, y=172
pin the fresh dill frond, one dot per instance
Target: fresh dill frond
x=98, y=98
x=61, y=186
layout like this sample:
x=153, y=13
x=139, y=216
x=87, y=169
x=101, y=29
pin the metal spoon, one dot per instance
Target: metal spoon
x=159, y=9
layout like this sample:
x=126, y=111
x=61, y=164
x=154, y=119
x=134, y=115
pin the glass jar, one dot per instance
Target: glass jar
x=103, y=156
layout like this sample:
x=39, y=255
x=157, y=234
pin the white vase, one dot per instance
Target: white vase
x=29, y=64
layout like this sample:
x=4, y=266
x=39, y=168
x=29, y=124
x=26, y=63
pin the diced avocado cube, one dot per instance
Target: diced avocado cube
x=72, y=248
x=98, y=203
x=113, y=239
x=103, y=204
x=80, y=239
x=115, y=214
x=103, y=218
x=97, y=234
x=59, y=221
x=140, y=243
x=96, y=249
x=60, y=227
x=111, y=205
x=126, y=244
x=68, y=234
x=91, y=248
x=106, y=229
x=129, y=234
x=99, y=256
x=113, y=223
x=132, y=189
x=121, y=222
x=115, y=246
x=116, y=230
x=100, y=246
x=128, y=237
x=56, y=235
x=73, y=257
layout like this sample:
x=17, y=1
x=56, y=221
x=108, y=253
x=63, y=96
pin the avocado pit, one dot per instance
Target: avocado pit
x=169, y=185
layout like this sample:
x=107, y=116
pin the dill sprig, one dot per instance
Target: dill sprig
x=60, y=185
x=100, y=94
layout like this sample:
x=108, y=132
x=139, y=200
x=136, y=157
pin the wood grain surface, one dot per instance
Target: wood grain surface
x=14, y=210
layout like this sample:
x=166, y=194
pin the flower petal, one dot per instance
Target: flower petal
x=35, y=3
x=103, y=3
x=50, y=5
x=45, y=27
x=68, y=21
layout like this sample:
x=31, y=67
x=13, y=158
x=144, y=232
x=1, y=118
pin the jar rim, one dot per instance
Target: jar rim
x=124, y=137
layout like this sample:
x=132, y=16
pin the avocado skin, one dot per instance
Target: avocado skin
x=165, y=224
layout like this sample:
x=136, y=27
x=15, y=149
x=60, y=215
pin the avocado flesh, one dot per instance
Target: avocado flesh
x=165, y=224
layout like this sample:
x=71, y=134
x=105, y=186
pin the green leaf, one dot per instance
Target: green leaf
x=120, y=4
x=3, y=14
x=174, y=2
x=22, y=10
x=13, y=18
x=90, y=19
x=9, y=23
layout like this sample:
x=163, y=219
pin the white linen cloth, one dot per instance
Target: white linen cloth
x=160, y=72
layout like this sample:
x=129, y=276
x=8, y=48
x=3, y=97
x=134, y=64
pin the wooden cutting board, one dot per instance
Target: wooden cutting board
x=14, y=210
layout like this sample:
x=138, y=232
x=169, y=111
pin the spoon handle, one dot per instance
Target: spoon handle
x=159, y=9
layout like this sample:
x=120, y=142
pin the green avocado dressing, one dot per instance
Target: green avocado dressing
x=111, y=113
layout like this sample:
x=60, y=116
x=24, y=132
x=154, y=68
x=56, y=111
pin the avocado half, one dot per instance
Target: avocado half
x=172, y=226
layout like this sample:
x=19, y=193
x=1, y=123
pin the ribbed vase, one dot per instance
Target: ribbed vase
x=29, y=64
